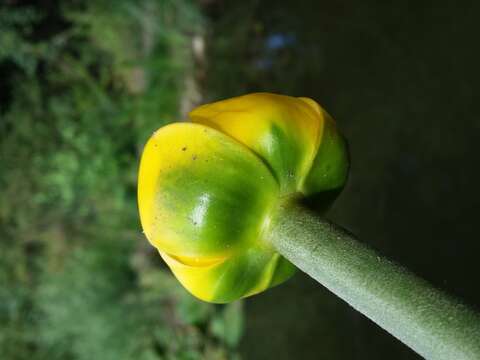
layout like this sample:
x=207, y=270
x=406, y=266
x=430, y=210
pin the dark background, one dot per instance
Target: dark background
x=401, y=78
x=84, y=83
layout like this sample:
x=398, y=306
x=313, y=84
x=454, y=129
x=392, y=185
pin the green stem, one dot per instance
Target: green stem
x=430, y=322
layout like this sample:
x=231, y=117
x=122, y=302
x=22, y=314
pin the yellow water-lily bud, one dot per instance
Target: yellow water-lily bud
x=208, y=189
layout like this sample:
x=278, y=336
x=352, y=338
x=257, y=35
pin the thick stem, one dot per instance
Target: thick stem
x=430, y=322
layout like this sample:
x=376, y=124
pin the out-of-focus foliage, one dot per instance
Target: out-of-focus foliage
x=82, y=87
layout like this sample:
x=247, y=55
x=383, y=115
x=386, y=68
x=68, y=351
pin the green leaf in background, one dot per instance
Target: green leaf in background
x=228, y=325
x=77, y=103
x=193, y=311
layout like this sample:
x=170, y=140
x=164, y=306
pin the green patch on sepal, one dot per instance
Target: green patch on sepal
x=330, y=167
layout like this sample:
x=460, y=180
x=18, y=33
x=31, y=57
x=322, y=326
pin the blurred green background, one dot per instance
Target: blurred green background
x=84, y=83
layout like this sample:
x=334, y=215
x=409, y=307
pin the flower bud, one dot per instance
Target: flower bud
x=208, y=189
